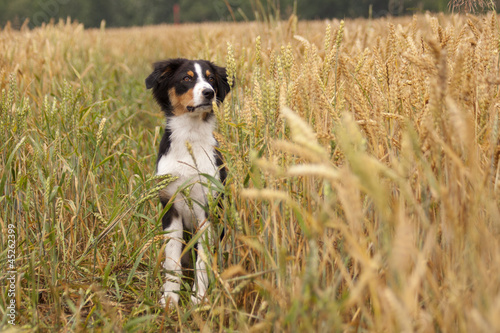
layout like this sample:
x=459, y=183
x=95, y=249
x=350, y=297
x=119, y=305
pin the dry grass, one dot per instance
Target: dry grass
x=364, y=176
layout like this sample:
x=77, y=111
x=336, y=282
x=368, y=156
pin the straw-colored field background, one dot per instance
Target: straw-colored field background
x=363, y=191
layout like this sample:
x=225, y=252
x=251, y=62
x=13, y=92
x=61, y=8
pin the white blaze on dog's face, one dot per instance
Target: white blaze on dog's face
x=203, y=92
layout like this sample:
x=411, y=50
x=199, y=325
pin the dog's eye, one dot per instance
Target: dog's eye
x=211, y=79
x=187, y=78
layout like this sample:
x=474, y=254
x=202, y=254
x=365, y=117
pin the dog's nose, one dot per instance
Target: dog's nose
x=208, y=93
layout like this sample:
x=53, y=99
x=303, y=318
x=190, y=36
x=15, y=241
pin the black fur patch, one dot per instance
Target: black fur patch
x=170, y=214
x=220, y=164
x=164, y=144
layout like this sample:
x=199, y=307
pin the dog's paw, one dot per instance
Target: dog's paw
x=170, y=299
x=197, y=299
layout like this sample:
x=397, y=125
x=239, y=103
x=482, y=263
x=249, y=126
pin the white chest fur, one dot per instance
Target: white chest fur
x=192, y=130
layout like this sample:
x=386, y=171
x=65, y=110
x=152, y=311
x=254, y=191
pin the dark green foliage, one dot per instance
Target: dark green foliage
x=145, y=12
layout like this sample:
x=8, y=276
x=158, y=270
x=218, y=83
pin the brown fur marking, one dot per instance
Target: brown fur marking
x=164, y=198
x=180, y=103
x=205, y=115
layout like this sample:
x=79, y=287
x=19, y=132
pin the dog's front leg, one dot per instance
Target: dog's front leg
x=201, y=281
x=172, y=264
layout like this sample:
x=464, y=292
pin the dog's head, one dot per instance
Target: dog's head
x=187, y=86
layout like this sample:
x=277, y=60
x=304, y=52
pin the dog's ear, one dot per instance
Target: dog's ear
x=162, y=71
x=223, y=87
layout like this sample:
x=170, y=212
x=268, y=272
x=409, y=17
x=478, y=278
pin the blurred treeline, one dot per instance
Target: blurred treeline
x=144, y=12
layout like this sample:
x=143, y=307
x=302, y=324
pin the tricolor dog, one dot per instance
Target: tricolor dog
x=185, y=90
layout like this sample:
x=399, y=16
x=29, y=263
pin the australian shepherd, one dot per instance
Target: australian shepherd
x=186, y=90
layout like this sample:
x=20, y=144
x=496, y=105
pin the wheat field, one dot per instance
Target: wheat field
x=363, y=191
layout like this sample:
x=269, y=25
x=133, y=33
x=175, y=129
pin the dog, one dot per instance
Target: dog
x=185, y=90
